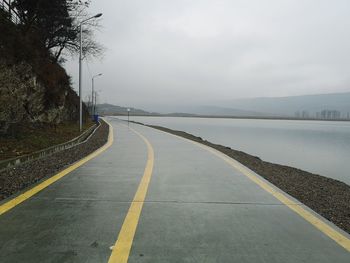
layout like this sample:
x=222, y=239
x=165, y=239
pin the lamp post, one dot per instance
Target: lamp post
x=128, y=115
x=92, y=93
x=96, y=93
x=80, y=69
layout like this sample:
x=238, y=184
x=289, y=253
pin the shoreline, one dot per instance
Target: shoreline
x=328, y=197
x=277, y=118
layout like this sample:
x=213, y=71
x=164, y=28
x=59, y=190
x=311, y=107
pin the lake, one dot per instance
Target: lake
x=321, y=147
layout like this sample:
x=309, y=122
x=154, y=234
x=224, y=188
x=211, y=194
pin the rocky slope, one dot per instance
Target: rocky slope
x=26, y=100
x=34, y=90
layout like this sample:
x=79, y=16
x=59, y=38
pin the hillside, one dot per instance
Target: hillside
x=274, y=107
x=110, y=109
x=288, y=106
x=223, y=111
x=35, y=90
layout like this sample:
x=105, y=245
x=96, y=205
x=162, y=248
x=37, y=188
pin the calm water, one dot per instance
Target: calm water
x=320, y=147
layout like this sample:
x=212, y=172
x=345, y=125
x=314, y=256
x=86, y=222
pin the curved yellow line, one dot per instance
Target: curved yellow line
x=325, y=228
x=122, y=247
x=36, y=189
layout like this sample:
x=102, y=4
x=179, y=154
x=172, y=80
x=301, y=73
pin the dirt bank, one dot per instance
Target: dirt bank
x=17, y=178
x=29, y=139
x=328, y=197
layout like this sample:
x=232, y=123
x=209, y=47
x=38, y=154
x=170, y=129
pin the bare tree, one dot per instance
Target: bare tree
x=57, y=24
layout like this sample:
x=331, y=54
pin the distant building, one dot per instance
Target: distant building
x=330, y=114
x=305, y=114
x=323, y=115
x=302, y=115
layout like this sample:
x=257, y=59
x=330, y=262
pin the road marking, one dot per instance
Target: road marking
x=28, y=194
x=122, y=247
x=328, y=230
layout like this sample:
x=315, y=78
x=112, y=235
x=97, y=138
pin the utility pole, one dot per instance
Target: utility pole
x=80, y=76
x=128, y=115
x=80, y=70
x=92, y=93
x=95, y=107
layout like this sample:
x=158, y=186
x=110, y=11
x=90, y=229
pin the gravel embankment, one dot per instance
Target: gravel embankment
x=328, y=197
x=19, y=177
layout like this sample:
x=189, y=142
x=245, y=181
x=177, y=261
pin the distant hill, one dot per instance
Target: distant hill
x=223, y=111
x=109, y=109
x=254, y=107
x=288, y=106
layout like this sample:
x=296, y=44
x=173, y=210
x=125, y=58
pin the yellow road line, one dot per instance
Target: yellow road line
x=122, y=247
x=328, y=230
x=26, y=195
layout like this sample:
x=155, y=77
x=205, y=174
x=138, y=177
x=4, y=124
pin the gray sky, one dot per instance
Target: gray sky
x=195, y=51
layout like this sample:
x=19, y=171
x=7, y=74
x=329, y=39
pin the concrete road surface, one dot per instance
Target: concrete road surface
x=153, y=197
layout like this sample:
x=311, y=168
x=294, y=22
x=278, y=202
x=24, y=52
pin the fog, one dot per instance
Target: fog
x=171, y=53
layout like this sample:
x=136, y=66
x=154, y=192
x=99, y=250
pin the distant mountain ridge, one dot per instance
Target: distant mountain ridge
x=223, y=111
x=273, y=107
x=288, y=106
x=110, y=109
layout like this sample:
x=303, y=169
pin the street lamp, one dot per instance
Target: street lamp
x=80, y=69
x=128, y=115
x=96, y=94
x=92, y=93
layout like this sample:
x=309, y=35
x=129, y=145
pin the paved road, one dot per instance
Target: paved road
x=198, y=208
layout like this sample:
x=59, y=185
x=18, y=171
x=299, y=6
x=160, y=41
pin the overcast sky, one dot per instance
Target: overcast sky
x=163, y=52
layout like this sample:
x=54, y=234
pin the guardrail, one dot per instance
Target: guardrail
x=13, y=16
x=4, y=164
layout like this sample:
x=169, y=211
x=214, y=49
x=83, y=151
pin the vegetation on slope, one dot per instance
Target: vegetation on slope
x=31, y=139
x=35, y=90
